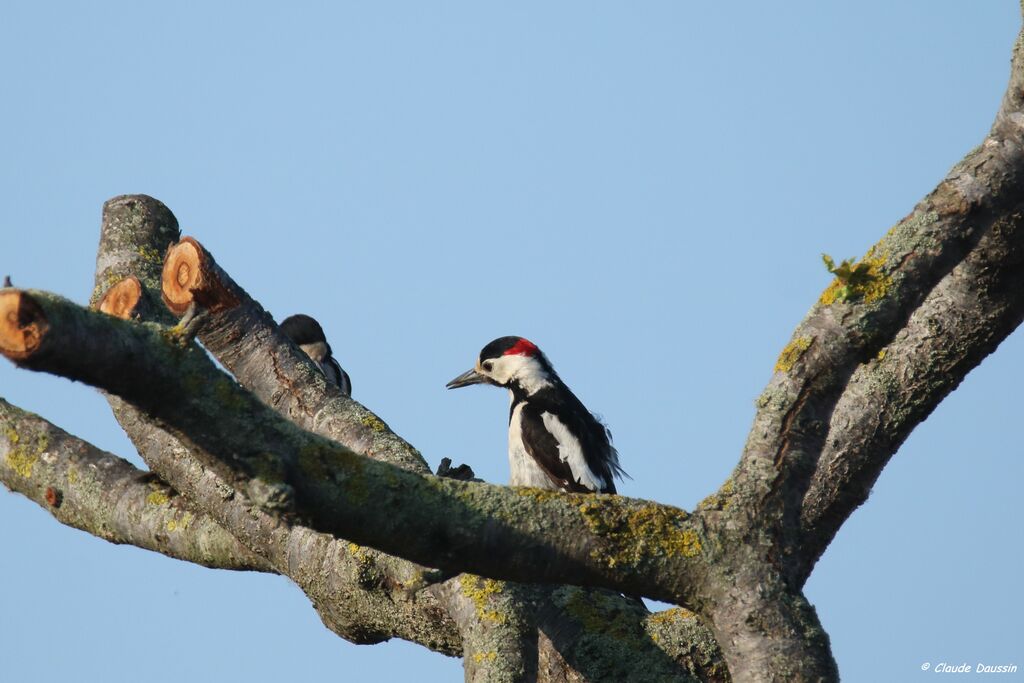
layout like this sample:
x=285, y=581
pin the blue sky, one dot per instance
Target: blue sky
x=643, y=189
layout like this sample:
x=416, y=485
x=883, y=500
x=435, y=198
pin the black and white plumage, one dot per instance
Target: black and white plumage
x=554, y=442
x=306, y=333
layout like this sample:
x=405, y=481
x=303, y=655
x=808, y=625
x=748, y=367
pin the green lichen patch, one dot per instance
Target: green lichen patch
x=863, y=280
x=480, y=591
x=792, y=353
x=601, y=613
x=672, y=616
x=320, y=461
x=229, y=395
x=631, y=533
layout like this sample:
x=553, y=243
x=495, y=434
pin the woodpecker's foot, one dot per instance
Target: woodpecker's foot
x=462, y=472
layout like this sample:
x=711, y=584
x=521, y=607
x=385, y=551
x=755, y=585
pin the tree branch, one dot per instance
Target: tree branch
x=962, y=320
x=457, y=525
x=104, y=495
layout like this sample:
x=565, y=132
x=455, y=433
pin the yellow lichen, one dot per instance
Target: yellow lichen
x=72, y=475
x=150, y=254
x=183, y=523
x=881, y=354
x=862, y=280
x=539, y=495
x=24, y=454
x=792, y=353
x=480, y=590
x=488, y=656
x=719, y=500
x=22, y=462
x=672, y=615
x=157, y=497
x=634, y=532
x=374, y=423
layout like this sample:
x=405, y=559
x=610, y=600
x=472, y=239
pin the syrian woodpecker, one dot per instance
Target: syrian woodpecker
x=307, y=334
x=554, y=442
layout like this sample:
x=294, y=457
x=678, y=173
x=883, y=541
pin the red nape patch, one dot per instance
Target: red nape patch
x=523, y=347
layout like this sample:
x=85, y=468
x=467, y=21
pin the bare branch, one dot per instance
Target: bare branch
x=106, y=496
x=244, y=337
x=963, y=320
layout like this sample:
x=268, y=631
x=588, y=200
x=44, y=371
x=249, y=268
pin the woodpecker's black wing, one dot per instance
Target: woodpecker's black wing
x=554, y=443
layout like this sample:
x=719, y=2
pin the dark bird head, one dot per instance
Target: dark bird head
x=510, y=362
x=303, y=329
x=306, y=333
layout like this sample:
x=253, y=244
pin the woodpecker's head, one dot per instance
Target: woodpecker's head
x=510, y=362
x=307, y=334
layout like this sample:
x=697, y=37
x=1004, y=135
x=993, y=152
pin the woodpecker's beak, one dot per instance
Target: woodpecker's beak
x=466, y=378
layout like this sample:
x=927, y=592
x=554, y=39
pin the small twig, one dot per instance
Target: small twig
x=188, y=326
x=461, y=473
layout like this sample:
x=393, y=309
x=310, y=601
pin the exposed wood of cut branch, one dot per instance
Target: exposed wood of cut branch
x=22, y=325
x=191, y=275
x=122, y=299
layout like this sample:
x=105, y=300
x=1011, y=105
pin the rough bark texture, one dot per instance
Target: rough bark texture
x=108, y=497
x=274, y=473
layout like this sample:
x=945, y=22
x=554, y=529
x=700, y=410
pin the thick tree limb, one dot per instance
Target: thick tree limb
x=963, y=320
x=104, y=495
x=618, y=543
x=862, y=311
x=968, y=314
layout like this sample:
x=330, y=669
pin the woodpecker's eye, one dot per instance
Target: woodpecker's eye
x=487, y=365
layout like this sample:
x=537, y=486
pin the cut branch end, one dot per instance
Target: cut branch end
x=122, y=299
x=22, y=324
x=190, y=275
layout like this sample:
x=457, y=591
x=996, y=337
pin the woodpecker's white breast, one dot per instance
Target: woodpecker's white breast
x=524, y=469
